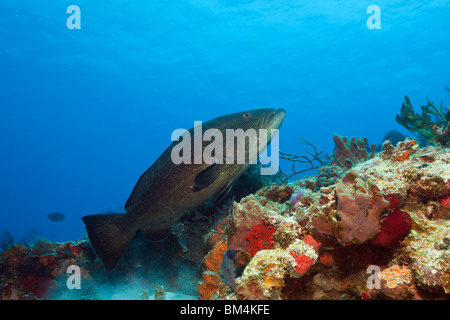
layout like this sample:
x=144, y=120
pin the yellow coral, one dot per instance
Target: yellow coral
x=273, y=278
x=274, y=281
x=396, y=275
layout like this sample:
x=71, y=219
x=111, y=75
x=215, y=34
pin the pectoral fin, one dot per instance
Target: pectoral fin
x=207, y=176
x=223, y=193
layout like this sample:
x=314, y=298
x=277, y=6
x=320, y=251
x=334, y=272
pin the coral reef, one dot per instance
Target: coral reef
x=397, y=283
x=43, y=271
x=246, y=214
x=159, y=292
x=35, y=272
x=209, y=285
x=390, y=212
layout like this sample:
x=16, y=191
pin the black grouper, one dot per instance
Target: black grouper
x=167, y=190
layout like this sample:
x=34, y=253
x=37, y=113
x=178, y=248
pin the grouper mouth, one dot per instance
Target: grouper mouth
x=275, y=119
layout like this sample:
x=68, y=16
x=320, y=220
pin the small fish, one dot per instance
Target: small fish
x=229, y=269
x=167, y=190
x=56, y=216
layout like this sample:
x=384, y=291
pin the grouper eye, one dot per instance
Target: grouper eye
x=246, y=115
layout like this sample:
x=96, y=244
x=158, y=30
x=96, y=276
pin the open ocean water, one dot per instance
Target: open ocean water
x=84, y=112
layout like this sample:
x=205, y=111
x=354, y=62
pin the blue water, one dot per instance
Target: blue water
x=83, y=113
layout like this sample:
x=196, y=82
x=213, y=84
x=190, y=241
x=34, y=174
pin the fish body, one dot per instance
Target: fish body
x=167, y=190
x=56, y=216
x=229, y=269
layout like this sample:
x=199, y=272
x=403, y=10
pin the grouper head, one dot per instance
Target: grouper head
x=228, y=137
x=256, y=119
x=199, y=165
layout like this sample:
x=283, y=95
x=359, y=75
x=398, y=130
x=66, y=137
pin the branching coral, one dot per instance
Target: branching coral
x=314, y=159
x=433, y=124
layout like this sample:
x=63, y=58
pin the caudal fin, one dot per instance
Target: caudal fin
x=108, y=236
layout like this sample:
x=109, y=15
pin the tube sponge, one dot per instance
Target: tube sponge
x=352, y=213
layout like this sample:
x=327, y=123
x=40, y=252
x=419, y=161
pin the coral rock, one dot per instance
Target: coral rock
x=277, y=193
x=269, y=268
x=250, y=290
x=430, y=258
x=310, y=241
x=35, y=272
x=396, y=282
x=327, y=176
x=401, y=152
x=246, y=214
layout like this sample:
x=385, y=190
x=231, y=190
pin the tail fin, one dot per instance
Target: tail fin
x=108, y=236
